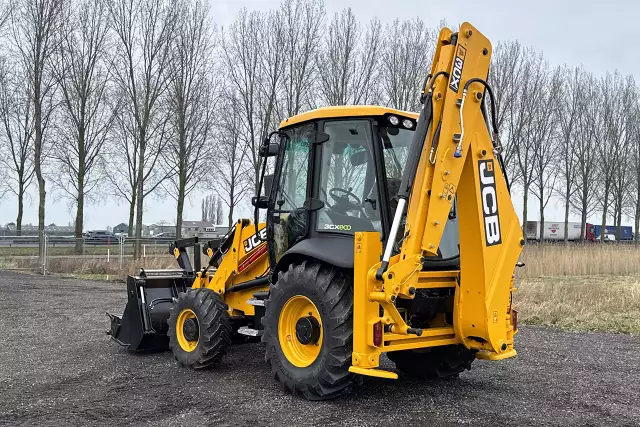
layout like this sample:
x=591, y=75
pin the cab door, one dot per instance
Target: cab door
x=291, y=188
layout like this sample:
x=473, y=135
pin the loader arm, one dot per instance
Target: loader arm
x=453, y=157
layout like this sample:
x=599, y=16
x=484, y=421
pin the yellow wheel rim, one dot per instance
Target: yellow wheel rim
x=298, y=353
x=186, y=344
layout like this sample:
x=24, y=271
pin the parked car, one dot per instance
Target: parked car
x=100, y=236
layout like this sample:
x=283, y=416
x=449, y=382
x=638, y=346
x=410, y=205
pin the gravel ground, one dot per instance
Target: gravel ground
x=59, y=368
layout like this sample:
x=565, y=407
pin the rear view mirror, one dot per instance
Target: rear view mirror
x=269, y=150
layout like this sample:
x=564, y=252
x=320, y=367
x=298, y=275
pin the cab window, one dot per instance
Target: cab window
x=348, y=179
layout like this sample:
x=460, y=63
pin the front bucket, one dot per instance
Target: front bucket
x=143, y=325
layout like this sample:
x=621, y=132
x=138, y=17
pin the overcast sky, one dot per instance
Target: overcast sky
x=595, y=34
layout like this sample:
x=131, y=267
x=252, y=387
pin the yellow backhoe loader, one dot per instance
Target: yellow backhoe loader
x=386, y=232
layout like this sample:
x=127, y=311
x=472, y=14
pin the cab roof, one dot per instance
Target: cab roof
x=344, y=111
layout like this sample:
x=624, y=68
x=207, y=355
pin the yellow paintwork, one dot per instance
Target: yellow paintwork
x=298, y=354
x=184, y=343
x=231, y=272
x=482, y=301
x=344, y=111
x=379, y=373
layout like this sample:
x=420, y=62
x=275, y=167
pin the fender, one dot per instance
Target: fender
x=333, y=250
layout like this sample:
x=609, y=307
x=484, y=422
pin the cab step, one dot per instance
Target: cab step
x=245, y=330
x=255, y=302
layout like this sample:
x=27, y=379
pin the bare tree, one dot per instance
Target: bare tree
x=233, y=170
x=571, y=105
x=81, y=71
x=34, y=23
x=219, y=213
x=520, y=123
x=253, y=66
x=623, y=155
x=209, y=212
x=406, y=58
x=635, y=164
x=16, y=115
x=615, y=92
x=191, y=95
x=348, y=61
x=543, y=134
x=144, y=31
x=303, y=21
x=505, y=76
x=589, y=131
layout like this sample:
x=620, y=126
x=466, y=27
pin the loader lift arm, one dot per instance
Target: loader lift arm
x=452, y=156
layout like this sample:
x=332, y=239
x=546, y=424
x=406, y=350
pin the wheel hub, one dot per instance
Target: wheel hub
x=308, y=330
x=300, y=331
x=190, y=329
x=187, y=330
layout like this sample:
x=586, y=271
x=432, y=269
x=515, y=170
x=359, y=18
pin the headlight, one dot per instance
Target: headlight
x=394, y=120
x=408, y=124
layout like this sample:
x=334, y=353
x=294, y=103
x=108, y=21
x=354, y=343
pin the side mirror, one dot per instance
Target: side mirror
x=321, y=137
x=269, y=150
x=260, y=203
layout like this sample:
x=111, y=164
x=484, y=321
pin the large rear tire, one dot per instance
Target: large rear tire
x=433, y=363
x=308, y=331
x=199, y=328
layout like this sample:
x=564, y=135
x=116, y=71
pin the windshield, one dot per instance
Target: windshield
x=396, y=143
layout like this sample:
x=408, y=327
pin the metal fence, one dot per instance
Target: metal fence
x=70, y=255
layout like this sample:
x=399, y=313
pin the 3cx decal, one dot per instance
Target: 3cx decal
x=341, y=227
x=254, y=241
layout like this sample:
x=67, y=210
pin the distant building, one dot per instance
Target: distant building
x=168, y=229
x=32, y=230
x=121, y=228
x=203, y=229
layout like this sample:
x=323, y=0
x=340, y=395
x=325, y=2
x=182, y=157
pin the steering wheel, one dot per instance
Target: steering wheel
x=342, y=197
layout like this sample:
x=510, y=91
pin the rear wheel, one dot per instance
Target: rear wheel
x=308, y=331
x=199, y=328
x=434, y=363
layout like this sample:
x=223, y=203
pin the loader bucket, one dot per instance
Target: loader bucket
x=143, y=325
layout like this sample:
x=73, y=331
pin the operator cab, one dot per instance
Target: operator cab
x=337, y=172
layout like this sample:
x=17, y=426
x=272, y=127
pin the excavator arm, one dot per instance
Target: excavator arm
x=453, y=156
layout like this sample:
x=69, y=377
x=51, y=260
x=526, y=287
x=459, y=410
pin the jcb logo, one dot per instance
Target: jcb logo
x=252, y=242
x=489, y=202
x=456, y=73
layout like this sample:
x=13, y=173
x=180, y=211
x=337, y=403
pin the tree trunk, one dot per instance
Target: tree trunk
x=604, y=213
x=140, y=197
x=619, y=223
x=583, y=216
x=566, y=218
x=525, y=201
x=80, y=198
x=180, y=207
x=21, y=208
x=42, y=194
x=541, y=216
x=132, y=209
x=637, y=223
x=79, y=216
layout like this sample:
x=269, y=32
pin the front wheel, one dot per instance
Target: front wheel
x=199, y=328
x=308, y=331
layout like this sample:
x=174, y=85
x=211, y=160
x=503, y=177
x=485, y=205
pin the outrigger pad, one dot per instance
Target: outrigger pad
x=143, y=325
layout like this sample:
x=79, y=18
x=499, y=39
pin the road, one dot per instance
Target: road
x=59, y=368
